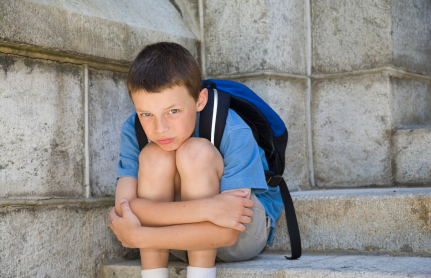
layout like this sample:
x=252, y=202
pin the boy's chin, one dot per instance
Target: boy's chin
x=169, y=147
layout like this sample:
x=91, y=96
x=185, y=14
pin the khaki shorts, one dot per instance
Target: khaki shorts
x=249, y=244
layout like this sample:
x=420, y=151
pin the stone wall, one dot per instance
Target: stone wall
x=347, y=77
x=351, y=80
x=371, y=78
x=63, y=98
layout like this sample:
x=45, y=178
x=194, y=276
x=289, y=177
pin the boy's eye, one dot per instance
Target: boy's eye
x=173, y=111
x=146, y=114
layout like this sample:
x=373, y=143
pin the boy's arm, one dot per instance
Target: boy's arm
x=127, y=188
x=229, y=210
x=194, y=236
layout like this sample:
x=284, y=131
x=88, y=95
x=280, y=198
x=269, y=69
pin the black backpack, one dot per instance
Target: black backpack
x=268, y=130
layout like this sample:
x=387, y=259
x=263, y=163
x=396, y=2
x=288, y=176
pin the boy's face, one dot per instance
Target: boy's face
x=169, y=117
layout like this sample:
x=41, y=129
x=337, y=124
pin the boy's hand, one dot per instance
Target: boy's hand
x=231, y=210
x=125, y=227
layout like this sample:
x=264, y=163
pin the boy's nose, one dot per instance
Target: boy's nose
x=161, y=126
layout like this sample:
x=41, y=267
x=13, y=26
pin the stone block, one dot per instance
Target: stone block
x=360, y=35
x=393, y=220
x=411, y=37
x=287, y=98
x=351, y=131
x=114, y=30
x=410, y=102
x=41, y=127
x=109, y=107
x=189, y=10
x=412, y=156
x=350, y=35
x=250, y=36
x=56, y=241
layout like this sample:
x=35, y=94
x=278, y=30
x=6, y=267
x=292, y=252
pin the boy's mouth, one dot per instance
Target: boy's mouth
x=165, y=141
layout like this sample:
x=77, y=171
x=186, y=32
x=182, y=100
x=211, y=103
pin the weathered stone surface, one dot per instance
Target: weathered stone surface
x=412, y=156
x=358, y=35
x=109, y=107
x=411, y=39
x=248, y=36
x=115, y=30
x=55, y=241
x=410, y=102
x=351, y=131
x=350, y=35
x=287, y=98
x=308, y=266
x=41, y=127
x=189, y=10
x=394, y=220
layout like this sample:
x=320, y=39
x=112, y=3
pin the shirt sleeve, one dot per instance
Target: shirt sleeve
x=129, y=151
x=243, y=165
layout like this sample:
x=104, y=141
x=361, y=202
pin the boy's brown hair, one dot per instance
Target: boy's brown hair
x=163, y=65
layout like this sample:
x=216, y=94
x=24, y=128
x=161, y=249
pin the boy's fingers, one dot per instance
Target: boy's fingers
x=113, y=215
x=248, y=212
x=238, y=193
x=125, y=207
x=241, y=228
x=248, y=203
x=245, y=220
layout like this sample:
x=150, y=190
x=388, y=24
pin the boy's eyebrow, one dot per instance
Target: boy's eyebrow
x=173, y=105
x=167, y=108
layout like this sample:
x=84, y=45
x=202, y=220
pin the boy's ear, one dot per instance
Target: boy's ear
x=202, y=100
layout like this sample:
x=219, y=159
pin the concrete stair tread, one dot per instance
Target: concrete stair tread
x=363, y=191
x=274, y=264
x=386, y=220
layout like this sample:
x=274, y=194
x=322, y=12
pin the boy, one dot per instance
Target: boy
x=173, y=185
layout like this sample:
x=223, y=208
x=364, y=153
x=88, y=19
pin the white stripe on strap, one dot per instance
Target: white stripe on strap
x=214, y=115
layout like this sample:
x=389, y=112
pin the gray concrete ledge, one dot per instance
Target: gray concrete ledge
x=377, y=221
x=260, y=74
x=57, y=202
x=275, y=265
x=35, y=52
x=360, y=192
x=392, y=71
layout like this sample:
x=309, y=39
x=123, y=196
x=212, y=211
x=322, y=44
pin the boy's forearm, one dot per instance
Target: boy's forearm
x=158, y=214
x=126, y=189
x=196, y=236
x=229, y=209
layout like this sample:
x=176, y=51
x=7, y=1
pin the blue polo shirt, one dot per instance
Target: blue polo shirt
x=244, y=161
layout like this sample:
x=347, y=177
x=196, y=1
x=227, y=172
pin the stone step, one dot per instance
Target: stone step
x=275, y=265
x=392, y=220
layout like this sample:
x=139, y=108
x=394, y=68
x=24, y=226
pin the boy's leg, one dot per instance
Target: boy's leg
x=156, y=177
x=200, y=166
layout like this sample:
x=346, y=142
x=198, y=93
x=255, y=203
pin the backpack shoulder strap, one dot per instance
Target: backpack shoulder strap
x=140, y=134
x=289, y=210
x=213, y=117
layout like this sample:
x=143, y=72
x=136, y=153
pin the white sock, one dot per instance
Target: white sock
x=201, y=272
x=155, y=273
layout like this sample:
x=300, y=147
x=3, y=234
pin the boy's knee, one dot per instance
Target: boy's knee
x=153, y=157
x=199, y=153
